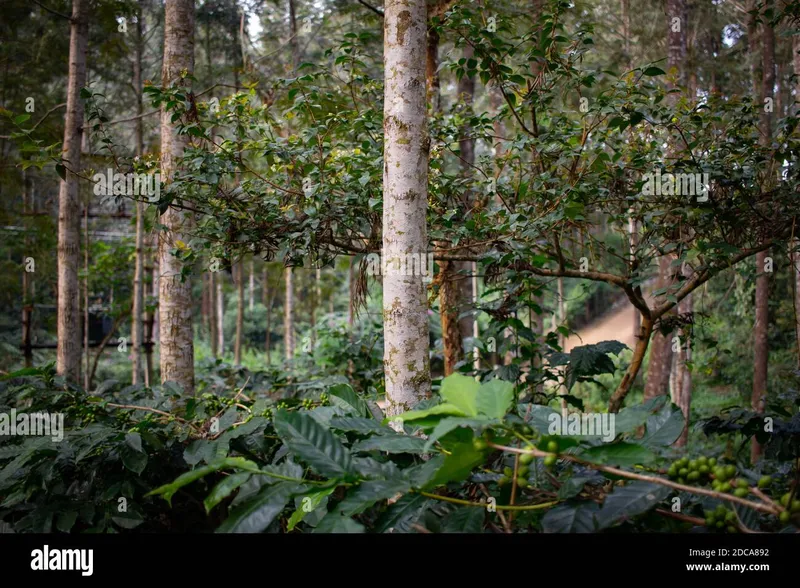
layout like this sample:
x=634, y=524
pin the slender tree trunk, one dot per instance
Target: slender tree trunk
x=68, y=353
x=267, y=296
x=294, y=42
x=137, y=327
x=237, y=346
x=405, y=200
x=220, y=317
x=212, y=311
x=288, y=315
x=150, y=319
x=796, y=242
x=27, y=301
x=760, y=341
x=86, y=381
x=683, y=384
x=252, y=287
x=176, y=334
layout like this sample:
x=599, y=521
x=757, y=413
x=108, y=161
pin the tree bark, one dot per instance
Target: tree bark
x=237, y=345
x=796, y=241
x=27, y=302
x=405, y=200
x=137, y=312
x=288, y=315
x=212, y=312
x=220, y=316
x=252, y=287
x=176, y=333
x=68, y=353
x=683, y=380
x=760, y=341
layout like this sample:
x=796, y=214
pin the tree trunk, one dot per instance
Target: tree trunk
x=86, y=297
x=237, y=345
x=760, y=341
x=151, y=318
x=660, y=366
x=137, y=312
x=796, y=242
x=405, y=200
x=220, y=316
x=176, y=334
x=294, y=41
x=252, y=285
x=68, y=353
x=288, y=315
x=212, y=312
x=27, y=301
x=683, y=379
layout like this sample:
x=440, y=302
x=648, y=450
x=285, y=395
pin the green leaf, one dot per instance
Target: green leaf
x=654, y=71
x=256, y=514
x=400, y=515
x=629, y=501
x=631, y=418
x=457, y=466
x=308, y=504
x=360, y=425
x=128, y=520
x=461, y=392
x=335, y=523
x=66, y=520
x=61, y=171
x=664, y=427
x=621, y=454
x=367, y=494
x=539, y=417
x=436, y=410
x=467, y=519
x=495, y=398
x=314, y=444
x=18, y=120
x=135, y=461
x=224, y=489
x=168, y=490
x=345, y=397
x=570, y=519
x=591, y=360
x=391, y=444
x=448, y=424
x=134, y=441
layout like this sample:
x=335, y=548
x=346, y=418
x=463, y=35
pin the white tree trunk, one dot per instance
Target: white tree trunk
x=176, y=334
x=405, y=184
x=288, y=315
x=68, y=354
x=137, y=312
x=252, y=285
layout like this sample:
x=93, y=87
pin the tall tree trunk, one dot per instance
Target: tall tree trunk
x=294, y=41
x=405, y=200
x=796, y=242
x=237, y=346
x=176, y=335
x=86, y=381
x=68, y=353
x=760, y=342
x=288, y=315
x=27, y=301
x=150, y=320
x=212, y=312
x=267, y=297
x=683, y=382
x=220, y=316
x=252, y=286
x=660, y=367
x=137, y=326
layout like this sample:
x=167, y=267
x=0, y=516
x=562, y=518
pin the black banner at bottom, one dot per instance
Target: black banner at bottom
x=87, y=558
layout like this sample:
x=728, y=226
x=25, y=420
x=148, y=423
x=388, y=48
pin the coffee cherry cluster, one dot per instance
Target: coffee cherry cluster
x=721, y=518
x=307, y=403
x=790, y=508
x=697, y=470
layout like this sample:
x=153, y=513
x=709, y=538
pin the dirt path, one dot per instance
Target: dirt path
x=615, y=326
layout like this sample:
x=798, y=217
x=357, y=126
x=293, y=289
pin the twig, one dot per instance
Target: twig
x=767, y=508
